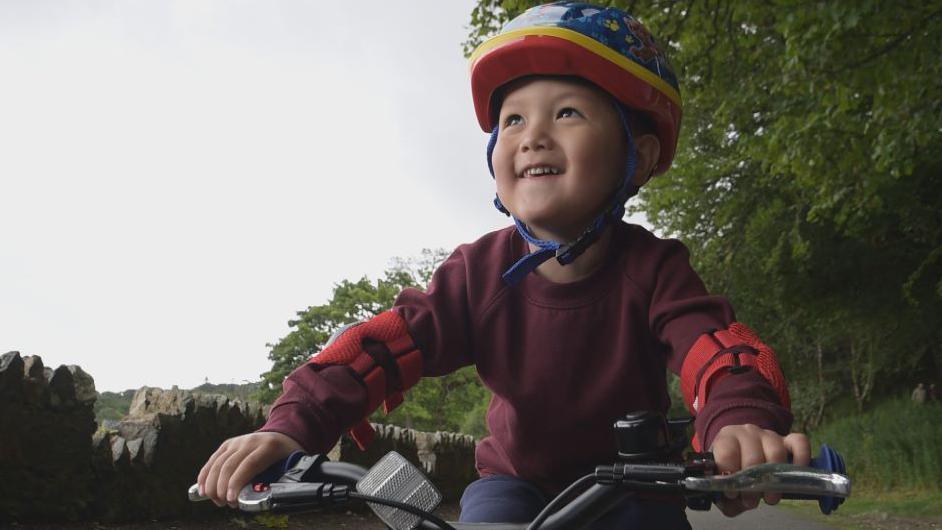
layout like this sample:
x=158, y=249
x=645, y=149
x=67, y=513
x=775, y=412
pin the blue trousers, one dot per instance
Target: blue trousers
x=506, y=499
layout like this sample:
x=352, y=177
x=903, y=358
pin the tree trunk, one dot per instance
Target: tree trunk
x=861, y=373
x=822, y=390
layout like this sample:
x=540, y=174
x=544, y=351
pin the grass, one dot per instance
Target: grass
x=893, y=454
x=895, y=447
x=874, y=508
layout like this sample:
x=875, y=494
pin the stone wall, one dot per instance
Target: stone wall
x=446, y=458
x=56, y=465
x=145, y=463
x=46, y=425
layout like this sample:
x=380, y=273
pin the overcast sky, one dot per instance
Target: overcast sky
x=178, y=178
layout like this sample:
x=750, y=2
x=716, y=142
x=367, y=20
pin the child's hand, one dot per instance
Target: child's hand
x=239, y=459
x=740, y=446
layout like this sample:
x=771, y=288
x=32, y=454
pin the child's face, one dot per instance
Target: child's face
x=570, y=129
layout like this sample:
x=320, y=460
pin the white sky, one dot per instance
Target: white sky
x=178, y=178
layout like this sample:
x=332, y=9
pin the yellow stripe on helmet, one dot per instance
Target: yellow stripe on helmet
x=588, y=43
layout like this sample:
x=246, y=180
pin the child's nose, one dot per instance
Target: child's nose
x=536, y=139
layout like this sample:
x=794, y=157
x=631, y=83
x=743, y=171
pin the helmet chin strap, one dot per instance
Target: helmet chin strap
x=566, y=253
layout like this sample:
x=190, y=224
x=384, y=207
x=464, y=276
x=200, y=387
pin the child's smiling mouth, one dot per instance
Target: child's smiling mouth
x=540, y=170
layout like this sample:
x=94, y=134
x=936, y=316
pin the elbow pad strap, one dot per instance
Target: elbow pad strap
x=383, y=355
x=719, y=353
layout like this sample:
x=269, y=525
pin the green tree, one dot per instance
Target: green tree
x=449, y=403
x=807, y=179
x=350, y=302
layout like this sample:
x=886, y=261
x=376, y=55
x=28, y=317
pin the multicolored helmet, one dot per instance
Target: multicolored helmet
x=606, y=46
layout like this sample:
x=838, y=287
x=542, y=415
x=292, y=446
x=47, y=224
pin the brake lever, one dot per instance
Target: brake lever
x=250, y=492
x=297, y=467
x=774, y=478
x=194, y=494
x=697, y=479
x=824, y=480
x=288, y=496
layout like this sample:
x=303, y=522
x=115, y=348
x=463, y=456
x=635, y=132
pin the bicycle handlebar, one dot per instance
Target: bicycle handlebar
x=647, y=445
x=334, y=483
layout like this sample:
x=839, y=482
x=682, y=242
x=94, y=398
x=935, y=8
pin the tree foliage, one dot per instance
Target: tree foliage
x=453, y=402
x=807, y=180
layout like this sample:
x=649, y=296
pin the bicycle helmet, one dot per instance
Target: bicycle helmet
x=603, y=45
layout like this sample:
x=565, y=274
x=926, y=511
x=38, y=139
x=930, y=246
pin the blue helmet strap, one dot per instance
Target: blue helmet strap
x=491, y=142
x=566, y=253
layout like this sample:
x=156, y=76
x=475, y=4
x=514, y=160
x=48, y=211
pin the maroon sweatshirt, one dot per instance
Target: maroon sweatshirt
x=564, y=361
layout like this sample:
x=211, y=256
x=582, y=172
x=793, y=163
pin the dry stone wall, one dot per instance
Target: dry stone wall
x=446, y=458
x=46, y=423
x=56, y=464
x=145, y=463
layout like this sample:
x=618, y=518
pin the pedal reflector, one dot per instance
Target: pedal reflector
x=396, y=479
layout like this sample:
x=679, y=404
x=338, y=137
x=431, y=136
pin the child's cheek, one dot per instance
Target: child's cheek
x=503, y=167
x=504, y=188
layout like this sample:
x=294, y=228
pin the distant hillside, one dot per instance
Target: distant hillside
x=243, y=391
x=115, y=405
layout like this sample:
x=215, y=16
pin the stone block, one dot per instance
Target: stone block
x=11, y=377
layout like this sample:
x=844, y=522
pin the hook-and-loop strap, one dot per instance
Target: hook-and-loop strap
x=382, y=353
x=719, y=353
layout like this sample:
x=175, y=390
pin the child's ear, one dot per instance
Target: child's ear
x=648, y=149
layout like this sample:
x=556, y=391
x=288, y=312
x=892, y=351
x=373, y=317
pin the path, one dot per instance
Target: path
x=764, y=517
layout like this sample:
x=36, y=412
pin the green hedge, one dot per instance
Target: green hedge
x=897, y=445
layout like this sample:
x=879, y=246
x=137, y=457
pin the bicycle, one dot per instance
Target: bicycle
x=648, y=450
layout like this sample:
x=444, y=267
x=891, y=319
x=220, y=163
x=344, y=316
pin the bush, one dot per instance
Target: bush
x=897, y=445
x=455, y=402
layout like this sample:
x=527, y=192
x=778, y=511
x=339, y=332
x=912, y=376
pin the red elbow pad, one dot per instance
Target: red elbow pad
x=719, y=353
x=383, y=354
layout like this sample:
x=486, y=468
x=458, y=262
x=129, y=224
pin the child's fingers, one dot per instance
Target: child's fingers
x=204, y=471
x=775, y=451
x=253, y=463
x=203, y=475
x=799, y=447
x=211, y=485
x=748, y=501
x=730, y=507
x=238, y=460
x=726, y=453
x=226, y=469
x=751, y=453
x=743, y=446
x=772, y=498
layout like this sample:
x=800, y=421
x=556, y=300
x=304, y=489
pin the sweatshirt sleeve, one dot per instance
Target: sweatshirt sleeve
x=682, y=310
x=439, y=318
x=319, y=403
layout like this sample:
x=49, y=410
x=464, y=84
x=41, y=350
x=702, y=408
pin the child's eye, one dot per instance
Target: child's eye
x=568, y=112
x=512, y=119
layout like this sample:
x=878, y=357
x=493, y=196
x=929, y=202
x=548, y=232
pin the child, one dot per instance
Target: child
x=583, y=109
